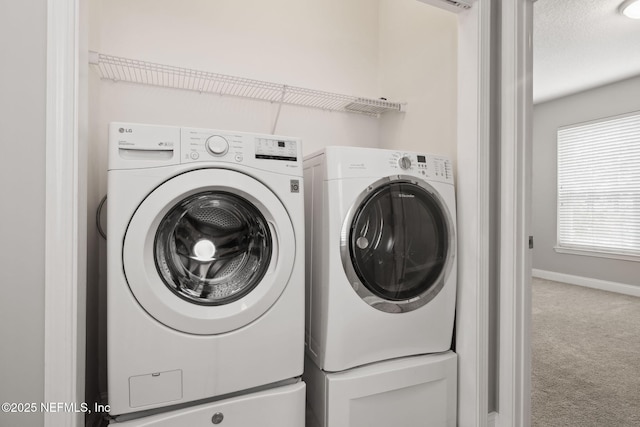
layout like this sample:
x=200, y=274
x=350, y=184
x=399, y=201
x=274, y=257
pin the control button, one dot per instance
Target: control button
x=404, y=163
x=195, y=155
x=217, y=145
x=238, y=157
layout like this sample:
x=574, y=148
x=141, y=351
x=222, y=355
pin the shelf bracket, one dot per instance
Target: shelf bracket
x=275, y=122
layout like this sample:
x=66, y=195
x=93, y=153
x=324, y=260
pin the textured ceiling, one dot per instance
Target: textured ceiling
x=581, y=44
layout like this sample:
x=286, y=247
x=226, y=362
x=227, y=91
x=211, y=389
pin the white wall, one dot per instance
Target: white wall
x=330, y=45
x=418, y=64
x=403, y=50
x=22, y=217
x=617, y=98
x=95, y=362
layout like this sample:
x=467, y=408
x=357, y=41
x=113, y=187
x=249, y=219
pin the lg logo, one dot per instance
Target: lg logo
x=123, y=130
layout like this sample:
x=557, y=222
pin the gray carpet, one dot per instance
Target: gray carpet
x=585, y=357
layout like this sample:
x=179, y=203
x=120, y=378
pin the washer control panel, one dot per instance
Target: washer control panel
x=276, y=149
x=135, y=145
x=267, y=152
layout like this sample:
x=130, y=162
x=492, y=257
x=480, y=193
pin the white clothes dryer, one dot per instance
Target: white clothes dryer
x=205, y=257
x=381, y=255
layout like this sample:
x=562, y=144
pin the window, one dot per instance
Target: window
x=599, y=187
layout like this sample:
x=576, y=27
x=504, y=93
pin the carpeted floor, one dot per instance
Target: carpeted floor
x=585, y=357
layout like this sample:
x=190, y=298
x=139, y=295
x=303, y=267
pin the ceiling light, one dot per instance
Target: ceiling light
x=630, y=9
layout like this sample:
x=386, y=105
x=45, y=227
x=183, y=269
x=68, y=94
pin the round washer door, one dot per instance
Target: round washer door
x=398, y=244
x=202, y=251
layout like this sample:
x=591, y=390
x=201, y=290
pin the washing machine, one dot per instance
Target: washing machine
x=205, y=257
x=381, y=255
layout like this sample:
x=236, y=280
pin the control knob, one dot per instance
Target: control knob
x=217, y=145
x=404, y=163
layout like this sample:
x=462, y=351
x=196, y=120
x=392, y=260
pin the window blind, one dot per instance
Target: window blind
x=599, y=186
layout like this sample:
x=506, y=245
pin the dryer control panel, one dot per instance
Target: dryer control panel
x=357, y=162
x=427, y=166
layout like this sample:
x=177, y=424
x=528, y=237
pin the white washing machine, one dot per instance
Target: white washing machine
x=381, y=255
x=205, y=264
x=412, y=391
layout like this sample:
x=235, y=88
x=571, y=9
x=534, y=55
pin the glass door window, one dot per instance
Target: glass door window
x=212, y=248
x=399, y=244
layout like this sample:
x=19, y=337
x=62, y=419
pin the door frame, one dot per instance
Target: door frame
x=66, y=216
x=513, y=20
x=514, y=368
x=473, y=209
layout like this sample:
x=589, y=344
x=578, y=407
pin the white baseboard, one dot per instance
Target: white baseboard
x=491, y=420
x=604, y=285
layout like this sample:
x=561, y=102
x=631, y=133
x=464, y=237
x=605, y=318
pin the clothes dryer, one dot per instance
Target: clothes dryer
x=381, y=255
x=205, y=263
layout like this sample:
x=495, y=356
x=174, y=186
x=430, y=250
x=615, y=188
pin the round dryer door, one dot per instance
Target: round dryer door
x=203, y=257
x=398, y=244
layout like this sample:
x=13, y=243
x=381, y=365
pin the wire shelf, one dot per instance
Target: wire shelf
x=148, y=73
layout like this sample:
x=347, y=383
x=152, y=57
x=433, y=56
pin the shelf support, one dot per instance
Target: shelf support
x=275, y=122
